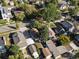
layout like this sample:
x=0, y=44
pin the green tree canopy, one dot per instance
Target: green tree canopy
x=44, y=33
x=51, y=12
x=29, y=9
x=64, y=39
x=14, y=49
x=19, y=16
x=36, y=24
x=76, y=56
x=11, y=57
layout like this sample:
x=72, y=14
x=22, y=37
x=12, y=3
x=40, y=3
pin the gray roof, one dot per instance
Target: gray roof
x=32, y=49
x=22, y=43
x=15, y=38
x=52, y=48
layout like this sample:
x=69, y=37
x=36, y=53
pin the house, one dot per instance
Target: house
x=47, y=54
x=14, y=38
x=52, y=33
x=22, y=44
x=67, y=26
x=39, y=45
x=62, y=49
x=5, y=13
x=53, y=49
x=58, y=29
x=33, y=51
x=30, y=41
x=64, y=52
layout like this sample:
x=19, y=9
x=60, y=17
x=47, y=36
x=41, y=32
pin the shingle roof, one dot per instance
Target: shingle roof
x=46, y=52
x=62, y=49
x=52, y=48
x=22, y=43
x=39, y=45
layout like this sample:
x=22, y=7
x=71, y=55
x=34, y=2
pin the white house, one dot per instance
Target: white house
x=29, y=41
x=33, y=51
x=5, y=13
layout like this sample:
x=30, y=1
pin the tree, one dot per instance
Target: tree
x=11, y=57
x=44, y=33
x=76, y=56
x=51, y=12
x=19, y=17
x=29, y=9
x=64, y=39
x=14, y=49
x=4, y=3
x=20, y=55
x=36, y=24
x=15, y=2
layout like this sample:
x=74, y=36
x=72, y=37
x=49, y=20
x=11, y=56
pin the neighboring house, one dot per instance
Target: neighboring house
x=67, y=26
x=52, y=33
x=58, y=29
x=39, y=45
x=53, y=49
x=29, y=41
x=64, y=52
x=33, y=51
x=14, y=38
x=5, y=13
x=47, y=54
x=22, y=44
x=62, y=49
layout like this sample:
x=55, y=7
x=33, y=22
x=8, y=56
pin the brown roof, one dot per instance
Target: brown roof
x=52, y=48
x=39, y=45
x=46, y=52
x=68, y=47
